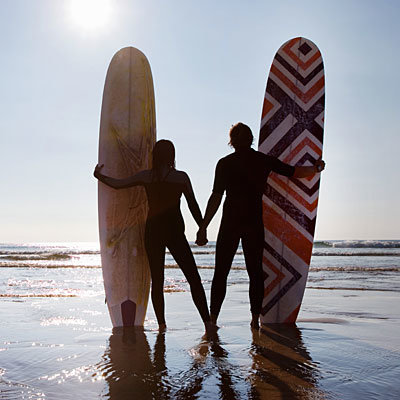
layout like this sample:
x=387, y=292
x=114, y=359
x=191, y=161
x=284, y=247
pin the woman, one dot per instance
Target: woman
x=164, y=186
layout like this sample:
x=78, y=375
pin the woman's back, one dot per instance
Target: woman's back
x=164, y=190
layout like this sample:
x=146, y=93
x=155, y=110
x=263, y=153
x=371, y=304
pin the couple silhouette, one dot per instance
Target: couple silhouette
x=242, y=176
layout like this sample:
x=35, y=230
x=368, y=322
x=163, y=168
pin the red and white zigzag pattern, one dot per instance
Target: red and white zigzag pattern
x=291, y=130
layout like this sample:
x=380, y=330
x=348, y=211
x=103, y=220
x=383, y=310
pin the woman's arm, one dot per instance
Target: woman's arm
x=192, y=202
x=115, y=183
x=194, y=208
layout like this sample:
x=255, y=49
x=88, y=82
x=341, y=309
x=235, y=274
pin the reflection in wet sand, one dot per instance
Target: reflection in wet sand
x=275, y=366
x=282, y=367
x=131, y=369
x=226, y=380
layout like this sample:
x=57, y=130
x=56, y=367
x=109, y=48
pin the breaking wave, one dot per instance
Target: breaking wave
x=358, y=244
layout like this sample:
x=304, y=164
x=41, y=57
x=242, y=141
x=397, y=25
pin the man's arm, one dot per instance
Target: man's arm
x=212, y=206
x=304, y=172
x=117, y=183
x=214, y=201
x=284, y=169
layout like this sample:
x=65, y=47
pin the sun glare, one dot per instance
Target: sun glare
x=90, y=14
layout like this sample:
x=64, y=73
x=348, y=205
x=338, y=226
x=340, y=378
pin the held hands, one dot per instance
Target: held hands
x=201, y=237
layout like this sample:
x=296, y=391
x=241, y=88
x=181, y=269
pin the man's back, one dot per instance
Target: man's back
x=243, y=175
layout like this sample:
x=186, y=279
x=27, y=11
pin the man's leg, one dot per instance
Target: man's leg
x=253, y=244
x=227, y=244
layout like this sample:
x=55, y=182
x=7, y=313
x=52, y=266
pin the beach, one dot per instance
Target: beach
x=57, y=342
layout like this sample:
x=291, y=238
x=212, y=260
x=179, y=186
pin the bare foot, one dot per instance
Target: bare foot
x=255, y=325
x=254, y=321
x=211, y=328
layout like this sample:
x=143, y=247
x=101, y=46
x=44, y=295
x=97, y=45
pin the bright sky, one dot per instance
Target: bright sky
x=210, y=61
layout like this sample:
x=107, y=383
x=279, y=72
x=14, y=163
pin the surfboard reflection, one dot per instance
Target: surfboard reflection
x=131, y=369
x=282, y=366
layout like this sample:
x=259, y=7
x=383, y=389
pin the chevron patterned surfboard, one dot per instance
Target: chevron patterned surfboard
x=292, y=127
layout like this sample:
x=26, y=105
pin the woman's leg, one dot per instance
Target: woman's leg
x=180, y=250
x=155, y=249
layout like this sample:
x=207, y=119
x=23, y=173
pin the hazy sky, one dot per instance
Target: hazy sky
x=210, y=62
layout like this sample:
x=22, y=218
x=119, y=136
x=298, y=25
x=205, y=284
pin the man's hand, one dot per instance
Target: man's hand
x=320, y=164
x=201, y=237
x=306, y=171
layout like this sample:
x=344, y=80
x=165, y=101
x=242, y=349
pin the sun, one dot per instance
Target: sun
x=90, y=14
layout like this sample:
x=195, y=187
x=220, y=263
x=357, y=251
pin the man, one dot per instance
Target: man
x=242, y=175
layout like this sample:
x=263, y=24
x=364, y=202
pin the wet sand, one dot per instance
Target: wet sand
x=345, y=346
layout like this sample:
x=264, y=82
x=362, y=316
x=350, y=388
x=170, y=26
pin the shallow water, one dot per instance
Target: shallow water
x=56, y=340
x=64, y=348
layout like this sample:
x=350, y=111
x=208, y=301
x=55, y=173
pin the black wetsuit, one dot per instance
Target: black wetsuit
x=165, y=228
x=243, y=175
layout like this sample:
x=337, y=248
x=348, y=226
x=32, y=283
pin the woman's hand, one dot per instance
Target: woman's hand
x=97, y=170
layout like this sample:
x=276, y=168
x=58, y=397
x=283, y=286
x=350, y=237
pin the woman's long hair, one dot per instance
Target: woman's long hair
x=163, y=156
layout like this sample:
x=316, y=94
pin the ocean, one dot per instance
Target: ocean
x=74, y=269
x=57, y=342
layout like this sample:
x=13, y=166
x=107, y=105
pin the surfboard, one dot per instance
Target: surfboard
x=292, y=127
x=127, y=136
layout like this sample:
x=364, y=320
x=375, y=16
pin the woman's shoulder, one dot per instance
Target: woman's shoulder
x=177, y=176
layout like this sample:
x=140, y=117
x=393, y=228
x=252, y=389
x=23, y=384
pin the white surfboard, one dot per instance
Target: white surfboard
x=127, y=137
